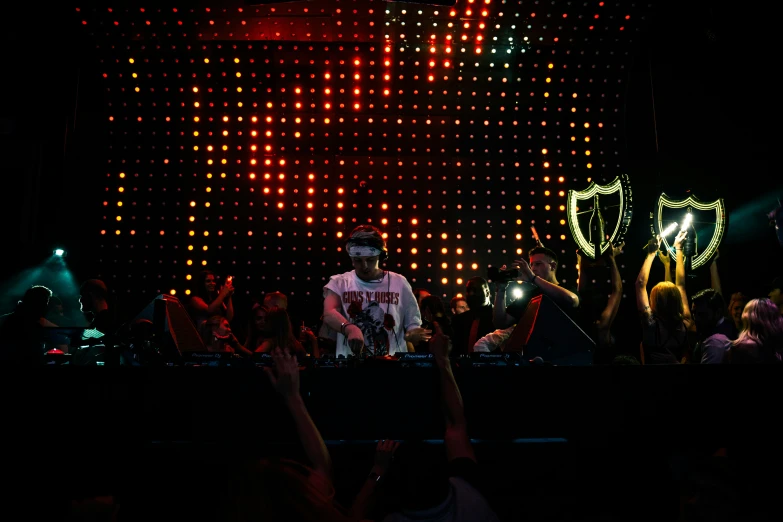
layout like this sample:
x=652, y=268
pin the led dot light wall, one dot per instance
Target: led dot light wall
x=250, y=140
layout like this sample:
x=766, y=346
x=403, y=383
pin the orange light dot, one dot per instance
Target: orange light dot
x=444, y=250
x=414, y=221
x=474, y=266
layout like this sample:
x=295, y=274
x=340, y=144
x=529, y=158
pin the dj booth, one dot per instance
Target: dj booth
x=215, y=398
x=598, y=406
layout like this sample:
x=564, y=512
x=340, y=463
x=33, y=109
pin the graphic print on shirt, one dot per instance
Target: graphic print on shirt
x=370, y=321
x=373, y=320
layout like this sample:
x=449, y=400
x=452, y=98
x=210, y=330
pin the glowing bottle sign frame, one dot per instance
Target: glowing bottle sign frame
x=622, y=185
x=691, y=201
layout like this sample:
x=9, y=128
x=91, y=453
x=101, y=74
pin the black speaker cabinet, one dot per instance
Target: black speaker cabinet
x=546, y=331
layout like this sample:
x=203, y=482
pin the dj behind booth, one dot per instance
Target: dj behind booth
x=163, y=334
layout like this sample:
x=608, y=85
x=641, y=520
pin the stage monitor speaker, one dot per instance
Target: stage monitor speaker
x=546, y=331
x=171, y=322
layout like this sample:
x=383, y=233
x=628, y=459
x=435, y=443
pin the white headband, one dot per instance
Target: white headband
x=362, y=251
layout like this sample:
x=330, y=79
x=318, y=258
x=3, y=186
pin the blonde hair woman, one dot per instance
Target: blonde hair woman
x=666, y=316
x=761, y=337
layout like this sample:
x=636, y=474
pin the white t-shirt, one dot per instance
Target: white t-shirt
x=464, y=504
x=391, y=294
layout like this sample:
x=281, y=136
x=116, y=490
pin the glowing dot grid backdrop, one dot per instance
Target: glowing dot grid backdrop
x=249, y=139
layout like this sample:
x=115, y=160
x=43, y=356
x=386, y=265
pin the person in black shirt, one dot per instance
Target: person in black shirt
x=21, y=331
x=474, y=324
x=93, y=298
x=432, y=310
x=540, y=272
x=597, y=311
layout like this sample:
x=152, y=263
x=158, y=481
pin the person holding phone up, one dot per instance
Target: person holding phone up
x=207, y=301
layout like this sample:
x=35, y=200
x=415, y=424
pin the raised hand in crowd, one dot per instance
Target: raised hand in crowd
x=285, y=380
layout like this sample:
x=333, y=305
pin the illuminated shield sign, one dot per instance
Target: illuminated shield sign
x=708, y=221
x=617, y=196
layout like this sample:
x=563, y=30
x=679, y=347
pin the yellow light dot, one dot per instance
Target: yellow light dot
x=188, y=277
x=190, y=262
x=546, y=207
x=546, y=192
x=589, y=165
x=459, y=251
x=173, y=292
x=444, y=250
x=414, y=266
x=191, y=233
x=518, y=236
x=562, y=236
x=187, y=292
x=444, y=266
x=190, y=247
x=444, y=236
x=474, y=266
x=444, y=281
x=414, y=235
x=459, y=266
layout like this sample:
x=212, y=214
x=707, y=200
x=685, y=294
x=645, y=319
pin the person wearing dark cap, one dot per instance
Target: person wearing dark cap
x=776, y=294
